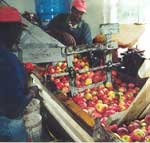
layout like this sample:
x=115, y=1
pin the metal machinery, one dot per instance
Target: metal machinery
x=38, y=47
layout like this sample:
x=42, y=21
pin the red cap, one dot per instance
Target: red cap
x=80, y=5
x=9, y=14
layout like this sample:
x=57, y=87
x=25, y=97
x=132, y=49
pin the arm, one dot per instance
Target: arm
x=13, y=100
x=57, y=29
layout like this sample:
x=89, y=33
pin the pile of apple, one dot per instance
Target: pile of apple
x=135, y=131
x=62, y=83
x=104, y=100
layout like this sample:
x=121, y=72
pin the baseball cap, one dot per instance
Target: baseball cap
x=10, y=14
x=80, y=5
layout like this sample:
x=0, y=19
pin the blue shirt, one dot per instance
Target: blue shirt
x=12, y=85
x=81, y=33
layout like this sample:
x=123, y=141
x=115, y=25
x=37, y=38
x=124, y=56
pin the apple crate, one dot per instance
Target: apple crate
x=139, y=107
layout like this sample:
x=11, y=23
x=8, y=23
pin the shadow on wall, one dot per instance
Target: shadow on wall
x=94, y=15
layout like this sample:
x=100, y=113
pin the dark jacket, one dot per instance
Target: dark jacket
x=81, y=33
x=12, y=85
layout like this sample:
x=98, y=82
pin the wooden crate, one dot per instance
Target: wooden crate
x=137, y=110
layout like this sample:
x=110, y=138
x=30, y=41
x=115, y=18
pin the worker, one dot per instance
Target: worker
x=14, y=95
x=70, y=28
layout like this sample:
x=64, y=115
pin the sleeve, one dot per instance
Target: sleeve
x=56, y=22
x=15, y=89
x=86, y=34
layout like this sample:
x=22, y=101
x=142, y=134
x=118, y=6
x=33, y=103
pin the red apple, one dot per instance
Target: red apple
x=147, y=119
x=96, y=78
x=148, y=129
x=91, y=103
x=113, y=127
x=114, y=73
x=83, y=105
x=105, y=90
x=96, y=114
x=132, y=126
x=95, y=99
x=122, y=89
x=103, y=121
x=117, y=81
x=109, y=112
x=131, y=85
x=122, y=131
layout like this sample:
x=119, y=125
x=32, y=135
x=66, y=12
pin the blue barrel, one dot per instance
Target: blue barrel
x=47, y=9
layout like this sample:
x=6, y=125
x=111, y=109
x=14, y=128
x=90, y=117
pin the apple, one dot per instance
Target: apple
x=105, y=90
x=59, y=85
x=148, y=129
x=131, y=85
x=123, y=84
x=147, y=119
x=132, y=126
x=90, y=110
x=95, y=99
x=90, y=74
x=147, y=138
x=100, y=107
x=91, y=103
x=88, y=90
x=83, y=105
x=126, y=138
x=117, y=81
x=114, y=73
x=103, y=121
x=138, y=135
x=65, y=89
x=94, y=93
x=109, y=112
x=78, y=99
x=114, y=107
x=51, y=69
x=122, y=89
x=88, y=81
x=96, y=78
x=58, y=69
x=96, y=114
x=64, y=65
x=88, y=96
x=109, y=85
x=122, y=131
x=111, y=94
x=78, y=83
x=113, y=127
x=86, y=67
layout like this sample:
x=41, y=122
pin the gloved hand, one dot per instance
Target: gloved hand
x=34, y=91
x=67, y=39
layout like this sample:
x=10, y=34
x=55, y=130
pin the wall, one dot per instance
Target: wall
x=22, y=5
x=94, y=15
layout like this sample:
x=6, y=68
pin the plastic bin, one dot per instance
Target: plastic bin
x=47, y=9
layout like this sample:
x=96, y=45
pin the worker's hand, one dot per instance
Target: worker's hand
x=34, y=91
x=68, y=39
